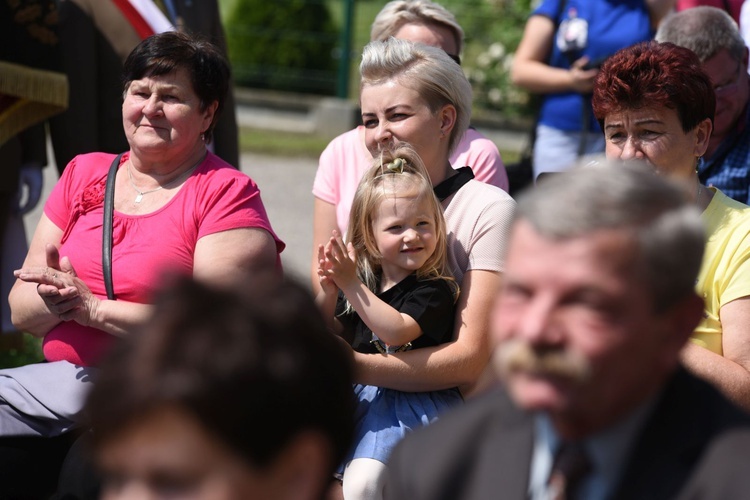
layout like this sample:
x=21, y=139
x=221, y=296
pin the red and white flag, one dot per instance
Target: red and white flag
x=145, y=16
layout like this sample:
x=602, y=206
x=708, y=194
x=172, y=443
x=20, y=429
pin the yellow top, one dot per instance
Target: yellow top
x=725, y=272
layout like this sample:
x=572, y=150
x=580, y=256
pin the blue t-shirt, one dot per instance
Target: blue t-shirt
x=593, y=28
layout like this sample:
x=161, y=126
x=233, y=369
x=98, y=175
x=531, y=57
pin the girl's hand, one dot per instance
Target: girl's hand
x=340, y=261
x=327, y=285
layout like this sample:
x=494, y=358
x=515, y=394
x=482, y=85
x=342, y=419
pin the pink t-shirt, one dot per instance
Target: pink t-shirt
x=216, y=197
x=346, y=159
x=478, y=218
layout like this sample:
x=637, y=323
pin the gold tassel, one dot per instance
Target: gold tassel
x=30, y=96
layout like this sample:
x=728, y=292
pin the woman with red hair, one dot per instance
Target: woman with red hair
x=655, y=104
x=563, y=44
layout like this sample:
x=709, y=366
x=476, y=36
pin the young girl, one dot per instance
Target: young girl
x=396, y=294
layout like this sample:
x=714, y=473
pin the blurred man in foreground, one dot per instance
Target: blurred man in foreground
x=596, y=304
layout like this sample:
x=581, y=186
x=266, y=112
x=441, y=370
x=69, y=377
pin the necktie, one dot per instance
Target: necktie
x=570, y=466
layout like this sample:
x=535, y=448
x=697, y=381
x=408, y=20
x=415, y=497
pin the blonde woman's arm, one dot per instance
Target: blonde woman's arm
x=458, y=363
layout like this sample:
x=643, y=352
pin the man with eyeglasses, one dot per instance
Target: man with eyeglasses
x=714, y=36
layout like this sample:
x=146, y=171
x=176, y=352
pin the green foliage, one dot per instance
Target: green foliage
x=260, y=49
x=19, y=350
x=283, y=45
x=364, y=14
x=302, y=145
x=278, y=143
x=493, y=31
x=487, y=21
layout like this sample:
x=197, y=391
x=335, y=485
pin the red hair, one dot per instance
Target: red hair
x=651, y=74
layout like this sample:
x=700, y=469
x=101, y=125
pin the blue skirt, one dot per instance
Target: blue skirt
x=385, y=416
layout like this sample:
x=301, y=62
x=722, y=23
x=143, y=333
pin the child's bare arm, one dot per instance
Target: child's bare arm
x=390, y=325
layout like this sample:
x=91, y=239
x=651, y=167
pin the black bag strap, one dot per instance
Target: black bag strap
x=453, y=183
x=109, y=208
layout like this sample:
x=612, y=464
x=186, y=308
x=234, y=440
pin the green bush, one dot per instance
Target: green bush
x=19, y=350
x=283, y=45
x=493, y=31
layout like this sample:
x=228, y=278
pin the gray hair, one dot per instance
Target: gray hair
x=704, y=30
x=427, y=70
x=630, y=196
x=397, y=13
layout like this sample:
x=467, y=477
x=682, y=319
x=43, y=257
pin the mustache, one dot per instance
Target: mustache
x=516, y=356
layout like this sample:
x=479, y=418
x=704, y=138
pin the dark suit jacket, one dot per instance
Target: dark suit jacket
x=483, y=450
x=93, y=61
x=724, y=472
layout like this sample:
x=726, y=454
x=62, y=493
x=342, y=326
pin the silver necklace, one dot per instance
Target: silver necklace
x=139, y=197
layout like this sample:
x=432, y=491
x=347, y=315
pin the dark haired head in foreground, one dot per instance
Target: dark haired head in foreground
x=225, y=394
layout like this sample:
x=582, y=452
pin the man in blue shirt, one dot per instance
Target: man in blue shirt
x=596, y=305
x=713, y=35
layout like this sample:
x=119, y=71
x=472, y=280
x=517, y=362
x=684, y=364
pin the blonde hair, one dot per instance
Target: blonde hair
x=427, y=70
x=372, y=190
x=398, y=13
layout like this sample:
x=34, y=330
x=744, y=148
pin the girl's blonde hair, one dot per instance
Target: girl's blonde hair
x=392, y=171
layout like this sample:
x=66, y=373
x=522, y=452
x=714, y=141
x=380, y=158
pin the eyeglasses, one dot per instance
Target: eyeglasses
x=730, y=87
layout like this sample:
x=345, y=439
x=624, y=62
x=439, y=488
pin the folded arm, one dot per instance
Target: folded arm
x=48, y=291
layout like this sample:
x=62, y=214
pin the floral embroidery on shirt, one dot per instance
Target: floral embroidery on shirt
x=91, y=198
